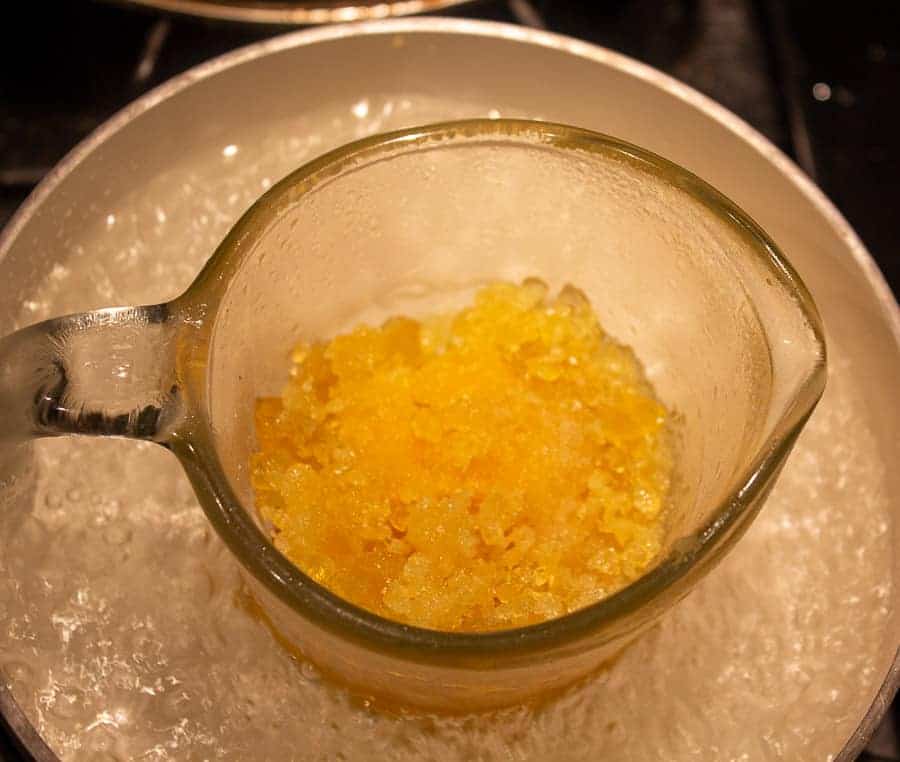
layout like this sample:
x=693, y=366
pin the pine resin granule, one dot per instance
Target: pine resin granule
x=482, y=470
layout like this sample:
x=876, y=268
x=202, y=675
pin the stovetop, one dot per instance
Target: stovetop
x=820, y=80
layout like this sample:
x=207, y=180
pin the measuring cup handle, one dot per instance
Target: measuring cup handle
x=110, y=372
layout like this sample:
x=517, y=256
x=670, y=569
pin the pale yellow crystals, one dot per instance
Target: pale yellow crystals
x=483, y=470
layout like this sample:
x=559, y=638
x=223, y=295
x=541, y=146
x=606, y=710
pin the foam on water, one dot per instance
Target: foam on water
x=124, y=639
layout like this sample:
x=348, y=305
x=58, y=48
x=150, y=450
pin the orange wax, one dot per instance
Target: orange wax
x=477, y=471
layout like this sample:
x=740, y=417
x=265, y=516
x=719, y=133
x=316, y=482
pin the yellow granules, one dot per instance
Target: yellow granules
x=489, y=469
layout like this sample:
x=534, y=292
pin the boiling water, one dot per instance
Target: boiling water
x=125, y=640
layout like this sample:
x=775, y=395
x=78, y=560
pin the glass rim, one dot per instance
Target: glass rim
x=686, y=558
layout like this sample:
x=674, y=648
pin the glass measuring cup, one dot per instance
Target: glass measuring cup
x=415, y=221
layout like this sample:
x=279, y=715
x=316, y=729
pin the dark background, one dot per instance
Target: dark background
x=820, y=80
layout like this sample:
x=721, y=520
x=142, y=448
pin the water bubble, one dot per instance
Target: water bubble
x=199, y=538
x=176, y=703
x=33, y=533
x=17, y=670
x=65, y=702
x=118, y=534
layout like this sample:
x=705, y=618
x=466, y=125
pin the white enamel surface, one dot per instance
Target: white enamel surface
x=124, y=637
